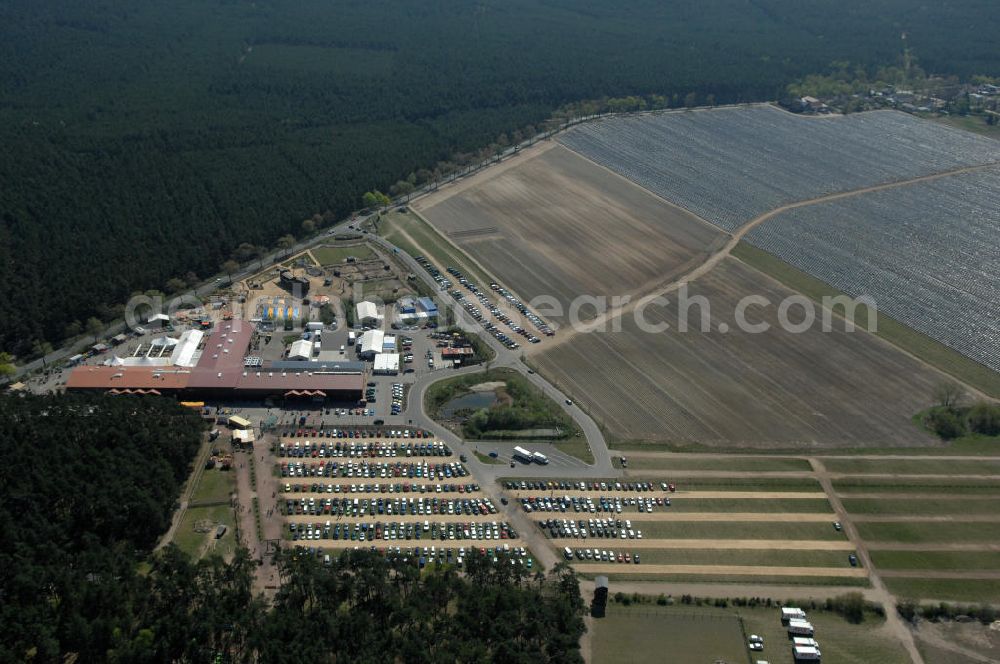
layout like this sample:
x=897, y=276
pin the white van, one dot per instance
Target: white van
x=568, y=552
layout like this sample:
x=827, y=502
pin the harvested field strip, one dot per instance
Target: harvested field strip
x=680, y=495
x=551, y=217
x=927, y=518
x=928, y=486
x=913, y=466
x=695, y=543
x=893, y=559
x=933, y=546
x=638, y=462
x=628, y=573
x=715, y=474
x=742, y=530
x=668, y=517
x=929, y=532
x=927, y=349
x=770, y=484
x=830, y=388
x=741, y=570
x=920, y=504
x=686, y=504
x=792, y=558
x=953, y=590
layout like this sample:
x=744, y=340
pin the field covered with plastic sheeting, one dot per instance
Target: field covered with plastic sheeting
x=927, y=253
x=729, y=165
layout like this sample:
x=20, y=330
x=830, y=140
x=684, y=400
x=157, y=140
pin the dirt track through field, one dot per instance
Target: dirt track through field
x=721, y=570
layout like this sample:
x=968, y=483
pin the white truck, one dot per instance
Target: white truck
x=805, y=654
x=792, y=613
x=800, y=628
x=523, y=454
x=540, y=458
x=805, y=642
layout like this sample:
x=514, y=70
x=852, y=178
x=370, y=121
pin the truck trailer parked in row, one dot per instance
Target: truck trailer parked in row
x=800, y=628
x=805, y=654
x=792, y=613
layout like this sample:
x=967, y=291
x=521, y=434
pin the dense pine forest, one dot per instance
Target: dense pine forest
x=144, y=141
x=90, y=486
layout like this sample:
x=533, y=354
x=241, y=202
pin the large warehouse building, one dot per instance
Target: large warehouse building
x=217, y=370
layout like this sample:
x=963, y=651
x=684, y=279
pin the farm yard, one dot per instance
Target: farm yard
x=558, y=225
x=926, y=253
x=741, y=389
x=730, y=165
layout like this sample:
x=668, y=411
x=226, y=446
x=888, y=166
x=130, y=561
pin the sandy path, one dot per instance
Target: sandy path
x=788, y=517
x=893, y=623
x=749, y=570
x=754, y=544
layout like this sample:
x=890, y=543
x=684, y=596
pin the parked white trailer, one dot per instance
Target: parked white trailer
x=800, y=628
x=805, y=654
x=540, y=458
x=805, y=641
x=792, y=613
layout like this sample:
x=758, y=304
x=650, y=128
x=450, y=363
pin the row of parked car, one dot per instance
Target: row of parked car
x=423, y=555
x=523, y=308
x=319, y=449
x=578, y=504
x=601, y=556
x=422, y=469
x=358, y=432
x=484, y=300
x=564, y=485
x=401, y=507
x=390, y=531
x=403, y=487
x=603, y=528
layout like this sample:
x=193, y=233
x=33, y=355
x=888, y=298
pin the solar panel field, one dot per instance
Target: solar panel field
x=927, y=254
x=730, y=165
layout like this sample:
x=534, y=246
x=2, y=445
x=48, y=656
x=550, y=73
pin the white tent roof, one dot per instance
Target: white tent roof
x=164, y=341
x=366, y=310
x=301, y=349
x=161, y=318
x=184, y=353
x=387, y=362
x=371, y=341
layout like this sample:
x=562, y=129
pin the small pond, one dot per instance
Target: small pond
x=470, y=401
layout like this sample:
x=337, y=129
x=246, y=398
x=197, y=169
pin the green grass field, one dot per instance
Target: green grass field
x=431, y=243
x=762, y=530
x=951, y=590
x=742, y=484
x=928, y=487
x=911, y=533
x=914, y=466
x=920, y=345
x=327, y=255
x=841, y=641
x=191, y=542
x=721, y=463
x=766, y=505
x=644, y=635
x=846, y=582
x=214, y=485
x=761, y=557
x=920, y=504
x=975, y=124
x=936, y=560
x=576, y=447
